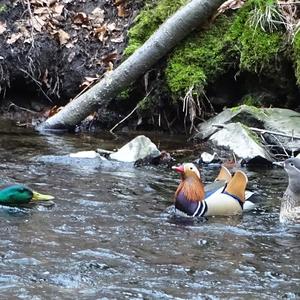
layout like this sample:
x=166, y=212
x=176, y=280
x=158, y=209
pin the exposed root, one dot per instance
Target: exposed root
x=194, y=107
x=31, y=21
x=38, y=83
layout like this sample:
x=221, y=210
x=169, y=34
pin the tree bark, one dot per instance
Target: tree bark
x=168, y=35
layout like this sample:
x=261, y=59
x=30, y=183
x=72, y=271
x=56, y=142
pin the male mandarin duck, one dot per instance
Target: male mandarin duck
x=224, y=198
x=290, y=203
x=19, y=195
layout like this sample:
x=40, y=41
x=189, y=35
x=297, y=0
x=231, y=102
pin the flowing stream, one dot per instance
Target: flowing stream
x=109, y=235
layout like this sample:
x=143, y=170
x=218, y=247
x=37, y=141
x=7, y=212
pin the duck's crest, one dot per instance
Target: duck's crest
x=237, y=185
x=224, y=175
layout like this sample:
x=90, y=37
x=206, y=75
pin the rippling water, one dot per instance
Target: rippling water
x=109, y=235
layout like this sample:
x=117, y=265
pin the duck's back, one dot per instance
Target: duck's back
x=222, y=204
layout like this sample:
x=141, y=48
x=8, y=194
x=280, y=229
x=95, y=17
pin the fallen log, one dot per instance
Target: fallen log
x=168, y=35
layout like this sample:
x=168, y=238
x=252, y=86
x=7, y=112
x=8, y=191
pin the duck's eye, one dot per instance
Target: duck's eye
x=291, y=164
x=191, y=168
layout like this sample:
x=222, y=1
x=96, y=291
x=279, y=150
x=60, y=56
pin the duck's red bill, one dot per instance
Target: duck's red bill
x=178, y=169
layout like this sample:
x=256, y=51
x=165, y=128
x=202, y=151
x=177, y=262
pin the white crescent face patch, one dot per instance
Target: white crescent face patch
x=191, y=167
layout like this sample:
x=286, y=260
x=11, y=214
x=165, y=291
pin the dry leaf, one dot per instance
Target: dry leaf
x=230, y=4
x=51, y=2
x=63, y=37
x=122, y=11
x=110, y=57
x=80, y=18
x=69, y=45
x=2, y=27
x=58, y=9
x=37, y=23
x=100, y=32
x=52, y=111
x=13, y=38
x=118, y=2
x=111, y=27
x=97, y=16
x=110, y=67
x=88, y=81
x=119, y=39
x=41, y=11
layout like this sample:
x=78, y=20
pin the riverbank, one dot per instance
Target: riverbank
x=55, y=50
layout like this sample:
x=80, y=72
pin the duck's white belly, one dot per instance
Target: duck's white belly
x=219, y=204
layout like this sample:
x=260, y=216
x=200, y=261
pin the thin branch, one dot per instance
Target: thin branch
x=21, y=108
x=263, y=131
x=31, y=19
x=37, y=82
x=124, y=119
x=276, y=138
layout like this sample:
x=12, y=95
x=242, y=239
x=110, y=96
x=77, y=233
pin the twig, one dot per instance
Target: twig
x=262, y=131
x=37, y=82
x=31, y=19
x=276, y=138
x=124, y=119
x=22, y=108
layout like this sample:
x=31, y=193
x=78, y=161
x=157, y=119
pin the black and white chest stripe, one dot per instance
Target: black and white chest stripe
x=201, y=209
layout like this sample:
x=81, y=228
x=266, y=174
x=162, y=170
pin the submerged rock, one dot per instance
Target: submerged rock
x=138, y=148
x=86, y=154
x=208, y=158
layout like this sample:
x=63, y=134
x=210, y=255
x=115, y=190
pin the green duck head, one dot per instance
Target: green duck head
x=18, y=194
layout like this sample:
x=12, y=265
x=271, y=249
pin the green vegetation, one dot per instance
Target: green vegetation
x=199, y=59
x=230, y=41
x=296, y=46
x=252, y=41
x=3, y=8
x=253, y=135
x=149, y=20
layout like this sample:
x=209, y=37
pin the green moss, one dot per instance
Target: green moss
x=238, y=41
x=259, y=113
x=3, y=8
x=296, y=47
x=254, y=136
x=149, y=20
x=125, y=94
x=259, y=50
x=250, y=101
x=199, y=59
x=255, y=48
x=230, y=43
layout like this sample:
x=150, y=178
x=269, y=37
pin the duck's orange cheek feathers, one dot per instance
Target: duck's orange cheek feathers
x=192, y=192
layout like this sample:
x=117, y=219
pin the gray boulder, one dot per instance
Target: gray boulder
x=138, y=148
x=240, y=140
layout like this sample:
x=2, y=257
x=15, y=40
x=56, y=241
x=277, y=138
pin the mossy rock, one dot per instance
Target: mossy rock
x=279, y=120
x=239, y=139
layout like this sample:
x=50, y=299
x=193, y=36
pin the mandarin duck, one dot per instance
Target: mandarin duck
x=225, y=197
x=290, y=203
x=19, y=195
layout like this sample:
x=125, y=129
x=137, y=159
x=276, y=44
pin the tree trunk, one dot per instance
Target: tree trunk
x=159, y=44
